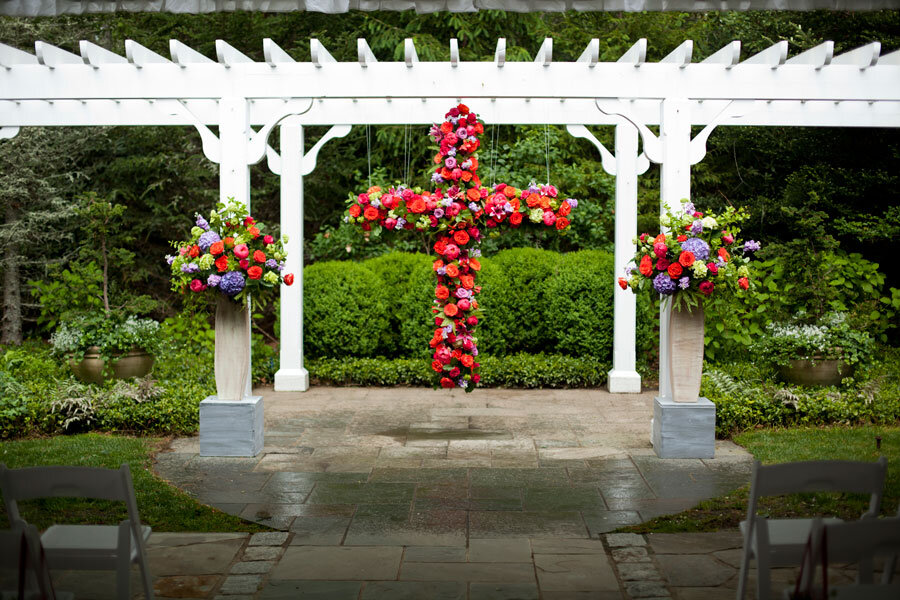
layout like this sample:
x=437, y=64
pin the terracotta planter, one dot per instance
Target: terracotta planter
x=135, y=363
x=816, y=372
x=232, y=348
x=686, y=328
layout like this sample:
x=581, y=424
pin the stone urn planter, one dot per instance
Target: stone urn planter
x=686, y=331
x=816, y=371
x=90, y=369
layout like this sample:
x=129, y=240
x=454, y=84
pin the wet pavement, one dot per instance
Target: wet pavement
x=415, y=493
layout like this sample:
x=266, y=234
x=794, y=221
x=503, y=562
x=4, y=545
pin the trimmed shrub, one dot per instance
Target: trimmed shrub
x=580, y=305
x=408, y=278
x=345, y=310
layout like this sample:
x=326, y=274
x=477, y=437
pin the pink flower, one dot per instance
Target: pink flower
x=363, y=198
x=707, y=287
x=713, y=268
x=197, y=285
x=450, y=162
x=727, y=238
x=462, y=132
x=443, y=355
x=268, y=239
x=463, y=305
x=244, y=263
x=549, y=218
x=407, y=194
x=660, y=249
x=451, y=252
x=241, y=251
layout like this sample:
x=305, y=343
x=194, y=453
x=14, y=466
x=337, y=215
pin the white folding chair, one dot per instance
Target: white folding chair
x=858, y=542
x=21, y=552
x=89, y=547
x=780, y=542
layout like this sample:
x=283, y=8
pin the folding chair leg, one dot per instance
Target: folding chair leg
x=123, y=563
x=745, y=567
x=145, y=579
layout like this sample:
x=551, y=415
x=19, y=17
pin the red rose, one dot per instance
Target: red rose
x=244, y=263
x=682, y=238
x=450, y=310
x=289, y=279
x=194, y=251
x=675, y=270
x=440, y=246
x=249, y=221
x=216, y=248
x=476, y=378
x=442, y=292
x=355, y=210
x=562, y=222
x=646, y=266
x=713, y=268
x=437, y=366
x=197, y=286
x=437, y=264
x=222, y=264
x=727, y=238
x=467, y=281
x=623, y=283
x=472, y=321
x=564, y=209
x=662, y=264
x=417, y=205
x=744, y=283
x=686, y=258
x=454, y=372
x=255, y=272
x=515, y=219
x=461, y=238
x=707, y=287
x=371, y=213
x=446, y=382
x=268, y=240
x=259, y=256
x=467, y=360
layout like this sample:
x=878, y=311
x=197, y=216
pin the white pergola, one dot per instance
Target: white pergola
x=246, y=100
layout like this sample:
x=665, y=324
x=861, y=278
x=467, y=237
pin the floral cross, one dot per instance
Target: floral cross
x=456, y=214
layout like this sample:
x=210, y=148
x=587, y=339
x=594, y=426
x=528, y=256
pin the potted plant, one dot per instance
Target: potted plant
x=809, y=351
x=103, y=345
x=697, y=257
x=229, y=258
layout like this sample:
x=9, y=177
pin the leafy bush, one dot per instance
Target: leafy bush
x=404, y=274
x=580, y=305
x=111, y=333
x=831, y=337
x=518, y=370
x=747, y=396
x=345, y=310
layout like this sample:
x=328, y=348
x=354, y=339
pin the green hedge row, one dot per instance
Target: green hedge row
x=533, y=301
x=514, y=371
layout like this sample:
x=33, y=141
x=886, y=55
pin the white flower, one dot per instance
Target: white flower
x=709, y=223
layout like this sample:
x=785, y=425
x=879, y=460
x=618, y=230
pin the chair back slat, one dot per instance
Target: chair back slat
x=53, y=482
x=821, y=476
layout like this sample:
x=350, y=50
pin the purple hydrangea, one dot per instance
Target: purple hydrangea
x=272, y=263
x=441, y=271
x=697, y=227
x=663, y=284
x=473, y=207
x=436, y=178
x=208, y=239
x=689, y=208
x=463, y=383
x=508, y=207
x=213, y=280
x=697, y=247
x=475, y=252
x=400, y=223
x=202, y=223
x=751, y=246
x=572, y=202
x=232, y=283
x=684, y=283
x=190, y=268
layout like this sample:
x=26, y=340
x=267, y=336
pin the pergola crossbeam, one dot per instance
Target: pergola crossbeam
x=51, y=56
x=636, y=55
x=139, y=55
x=773, y=56
x=862, y=57
x=96, y=56
x=274, y=55
x=184, y=55
x=818, y=57
x=728, y=56
x=10, y=56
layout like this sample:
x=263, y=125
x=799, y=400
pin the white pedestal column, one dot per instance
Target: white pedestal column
x=624, y=378
x=233, y=427
x=291, y=376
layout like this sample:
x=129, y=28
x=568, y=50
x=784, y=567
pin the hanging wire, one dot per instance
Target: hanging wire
x=494, y=139
x=369, y=153
x=547, y=141
x=407, y=151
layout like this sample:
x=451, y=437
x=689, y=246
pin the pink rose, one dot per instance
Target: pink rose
x=244, y=263
x=363, y=198
x=197, y=286
x=713, y=268
x=268, y=239
x=468, y=344
x=407, y=194
x=241, y=251
x=727, y=238
x=463, y=304
x=660, y=249
x=451, y=252
x=443, y=355
x=549, y=218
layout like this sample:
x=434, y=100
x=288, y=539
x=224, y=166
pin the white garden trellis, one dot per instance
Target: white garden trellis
x=246, y=99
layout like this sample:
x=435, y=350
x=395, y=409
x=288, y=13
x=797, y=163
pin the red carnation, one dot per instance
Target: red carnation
x=437, y=366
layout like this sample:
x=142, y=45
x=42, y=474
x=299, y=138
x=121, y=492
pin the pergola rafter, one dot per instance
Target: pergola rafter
x=247, y=99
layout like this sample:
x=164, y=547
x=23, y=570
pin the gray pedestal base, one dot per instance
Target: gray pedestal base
x=231, y=428
x=684, y=430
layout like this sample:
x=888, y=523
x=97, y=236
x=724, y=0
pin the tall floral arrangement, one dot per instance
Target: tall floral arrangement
x=457, y=211
x=698, y=257
x=230, y=254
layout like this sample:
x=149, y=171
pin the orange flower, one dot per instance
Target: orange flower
x=466, y=176
x=562, y=223
x=438, y=159
x=255, y=272
x=437, y=366
x=371, y=213
x=259, y=256
x=479, y=127
x=229, y=242
x=532, y=200
x=446, y=127
x=723, y=254
x=217, y=248
x=675, y=270
x=461, y=238
x=417, y=205
x=646, y=266
x=515, y=203
x=437, y=264
x=476, y=266
x=452, y=270
x=545, y=202
x=446, y=173
x=222, y=264
x=515, y=219
x=686, y=258
x=467, y=360
x=253, y=231
x=564, y=209
x=467, y=281
x=442, y=292
x=463, y=109
x=474, y=162
x=194, y=252
x=473, y=194
x=373, y=189
x=660, y=239
x=509, y=191
x=450, y=310
x=355, y=210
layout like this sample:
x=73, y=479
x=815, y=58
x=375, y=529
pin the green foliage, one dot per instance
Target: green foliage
x=580, y=305
x=345, y=310
x=112, y=334
x=515, y=371
x=400, y=272
x=831, y=337
x=747, y=396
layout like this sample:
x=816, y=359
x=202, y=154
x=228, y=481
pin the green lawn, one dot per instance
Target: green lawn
x=161, y=506
x=789, y=445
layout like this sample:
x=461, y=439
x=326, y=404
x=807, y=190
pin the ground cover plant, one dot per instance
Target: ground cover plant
x=161, y=506
x=791, y=445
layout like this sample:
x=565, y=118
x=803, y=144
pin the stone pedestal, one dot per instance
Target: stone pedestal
x=231, y=427
x=684, y=429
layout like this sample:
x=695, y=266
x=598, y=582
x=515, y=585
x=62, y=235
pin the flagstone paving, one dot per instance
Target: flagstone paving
x=416, y=494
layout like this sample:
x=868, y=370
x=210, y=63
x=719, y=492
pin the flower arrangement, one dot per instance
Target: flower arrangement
x=456, y=212
x=700, y=254
x=229, y=253
x=832, y=337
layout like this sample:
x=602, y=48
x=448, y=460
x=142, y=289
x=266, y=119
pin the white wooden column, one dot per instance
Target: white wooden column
x=675, y=184
x=291, y=375
x=624, y=378
x=234, y=171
